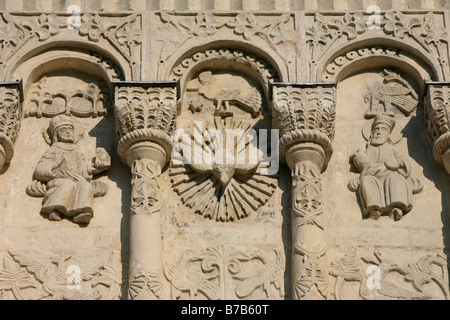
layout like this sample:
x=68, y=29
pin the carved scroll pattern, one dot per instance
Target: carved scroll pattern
x=423, y=30
x=395, y=281
x=123, y=34
x=142, y=285
x=307, y=209
x=146, y=193
x=227, y=273
x=24, y=278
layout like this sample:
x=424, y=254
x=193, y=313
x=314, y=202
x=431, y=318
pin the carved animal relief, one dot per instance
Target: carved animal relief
x=393, y=94
x=58, y=278
x=64, y=178
x=380, y=278
x=227, y=273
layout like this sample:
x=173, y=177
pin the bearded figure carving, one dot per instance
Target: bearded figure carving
x=384, y=185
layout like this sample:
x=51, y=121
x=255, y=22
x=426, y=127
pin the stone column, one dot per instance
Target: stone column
x=305, y=115
x=10, y=117
x=437, y=117
x=145, y=119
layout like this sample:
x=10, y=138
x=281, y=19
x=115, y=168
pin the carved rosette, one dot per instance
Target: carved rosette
x=145, y=120
x=437, y=116
x=305, y=116
x=10, y=116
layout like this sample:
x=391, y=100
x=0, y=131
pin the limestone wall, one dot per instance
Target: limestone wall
x=137, y=79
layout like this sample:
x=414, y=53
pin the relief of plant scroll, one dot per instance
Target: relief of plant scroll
x=425, y=31
x=381, y=278
x=58, y=278
x=226, y=273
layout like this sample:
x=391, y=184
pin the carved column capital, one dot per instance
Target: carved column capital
x=145, y=117
x=305, y=116
x=437, y=117
x=10, y=117
x=145, y=120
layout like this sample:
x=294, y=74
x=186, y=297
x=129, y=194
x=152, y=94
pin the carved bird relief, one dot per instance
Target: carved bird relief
x=224, y=90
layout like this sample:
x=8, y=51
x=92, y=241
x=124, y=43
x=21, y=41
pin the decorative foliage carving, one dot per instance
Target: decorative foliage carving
x=142, y=284
x=145, y=114
x=42, y=100
x=423, y=30
x=307, y=209
x=261, y=66
x=146, y=193
x=226, y=273
x=395, y=281
x=63, y=177
x=305, y=115
x=10, y=116
x=222, y=189
x=24, y=278
x=437, y=117
x=274, y=30
x=385, y=185
x=123, y=34
x=394, y=91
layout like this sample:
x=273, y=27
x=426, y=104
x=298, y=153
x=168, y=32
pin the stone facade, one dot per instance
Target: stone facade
x=240, y=149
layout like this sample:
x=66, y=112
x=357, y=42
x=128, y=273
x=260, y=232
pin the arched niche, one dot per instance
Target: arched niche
x=378, y=52
x=64, y=80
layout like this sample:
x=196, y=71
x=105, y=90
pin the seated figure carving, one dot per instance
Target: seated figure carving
x=384, y=185
x=64, y=177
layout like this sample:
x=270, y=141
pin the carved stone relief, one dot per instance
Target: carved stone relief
x=385, y=185
x=59, y=277
x=423, y=31
x=276, y=32
x=10, y=116
x=437, y=117
x=381, y=278
x=123, y=34
x=224, y=272
x=80, y=97
x=222, y=95
x=64, y=177
x=222, y=189
x=391, y=96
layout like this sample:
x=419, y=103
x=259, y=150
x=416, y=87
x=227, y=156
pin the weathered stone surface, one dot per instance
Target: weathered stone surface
x=224, y=149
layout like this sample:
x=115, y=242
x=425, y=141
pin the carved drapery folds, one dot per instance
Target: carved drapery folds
x=305, y=116
x=145, y=119
x=437, y=116
x=10, y=117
